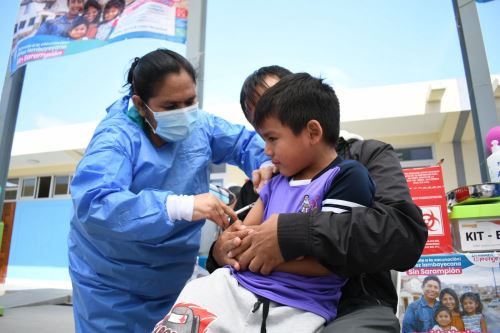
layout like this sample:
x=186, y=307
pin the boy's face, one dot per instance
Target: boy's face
x=289, y=152
x=75, y=7
x=78, y=32
x=111, y=13
x=91, y=14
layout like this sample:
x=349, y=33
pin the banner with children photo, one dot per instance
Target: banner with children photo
x=451, y=293
x=54, y=28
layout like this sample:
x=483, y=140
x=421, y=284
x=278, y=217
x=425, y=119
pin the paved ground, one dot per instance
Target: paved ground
x=40, y=319
x=37, y=310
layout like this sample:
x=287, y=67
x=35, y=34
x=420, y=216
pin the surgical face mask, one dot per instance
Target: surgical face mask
x=175, y=125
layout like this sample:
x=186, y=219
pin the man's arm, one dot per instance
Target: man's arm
x=389, y=235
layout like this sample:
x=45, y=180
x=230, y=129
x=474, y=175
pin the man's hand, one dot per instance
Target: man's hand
x=229, y=240
x=259, y=251
x=261, y=176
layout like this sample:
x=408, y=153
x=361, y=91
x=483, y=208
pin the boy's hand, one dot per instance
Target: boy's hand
x=229, y=240
x=260, y=251
x=208, y=206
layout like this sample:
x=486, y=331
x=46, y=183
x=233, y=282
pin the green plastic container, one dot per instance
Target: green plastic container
x=476, y=228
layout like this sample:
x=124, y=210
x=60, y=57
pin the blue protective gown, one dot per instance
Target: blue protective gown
x=127, y=260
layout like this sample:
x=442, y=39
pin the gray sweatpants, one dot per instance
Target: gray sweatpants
x=366, y=319
x=219, y=304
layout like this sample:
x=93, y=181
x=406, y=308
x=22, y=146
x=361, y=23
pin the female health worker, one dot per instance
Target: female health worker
x=140, y=196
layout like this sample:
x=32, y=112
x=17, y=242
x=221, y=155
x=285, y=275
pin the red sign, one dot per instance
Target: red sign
x=427, y=190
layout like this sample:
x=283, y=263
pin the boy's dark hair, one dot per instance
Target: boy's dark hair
x=147, y=73
x=96, y=5
x=475, y=297
x=256, y=79
x=297, y=99
x=431, y=278
x=120, y=4
x=442, y=308
x=453, y=294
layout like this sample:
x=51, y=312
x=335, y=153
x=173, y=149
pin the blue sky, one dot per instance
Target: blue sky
x=352, y=44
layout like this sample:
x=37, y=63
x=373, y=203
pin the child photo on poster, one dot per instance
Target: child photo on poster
x=451, y=292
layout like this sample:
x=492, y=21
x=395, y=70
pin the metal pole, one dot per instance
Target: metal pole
x=9, y=105
x=477, y=73
x=195, y=44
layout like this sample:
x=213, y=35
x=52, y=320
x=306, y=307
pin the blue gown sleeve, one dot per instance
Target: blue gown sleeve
x=102, y=200
x=236, y=145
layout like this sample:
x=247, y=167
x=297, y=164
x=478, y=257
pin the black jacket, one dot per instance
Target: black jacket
x=366, y=244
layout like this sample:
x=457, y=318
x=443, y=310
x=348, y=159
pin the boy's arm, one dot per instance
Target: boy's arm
x=254, y=216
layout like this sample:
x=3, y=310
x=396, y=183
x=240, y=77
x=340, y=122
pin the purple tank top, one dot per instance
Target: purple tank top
x=316, y=294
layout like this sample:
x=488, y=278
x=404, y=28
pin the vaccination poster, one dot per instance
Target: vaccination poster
x=54, y=28
x=427, y=191
x=468, y=288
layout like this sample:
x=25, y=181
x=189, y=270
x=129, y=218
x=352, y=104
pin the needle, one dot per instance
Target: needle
x=244, y=209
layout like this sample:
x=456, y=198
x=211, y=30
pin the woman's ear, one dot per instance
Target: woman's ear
x=315, y=131
x=139, y=105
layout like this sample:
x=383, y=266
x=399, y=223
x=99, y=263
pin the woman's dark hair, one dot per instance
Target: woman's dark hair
x=257, y=79
x=96, y=5
x=453, y=294
x=147, y=73
x=475, y=297
x=297, y=99
x=431, y=278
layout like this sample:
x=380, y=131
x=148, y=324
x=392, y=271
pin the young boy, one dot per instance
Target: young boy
x=299, y=121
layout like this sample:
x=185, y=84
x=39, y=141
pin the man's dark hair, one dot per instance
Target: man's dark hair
x=297, y=99
x=257, y=79
x=431, y=278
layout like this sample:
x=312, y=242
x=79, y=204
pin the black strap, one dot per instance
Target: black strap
x=265, y=311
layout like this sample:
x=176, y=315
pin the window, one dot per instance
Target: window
x=28, y=189
x=32, y=21
x=15, y=28
x=11, y=189
x=414, y=157
x=22, y=24
x=61, y=185
x=43, y=188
